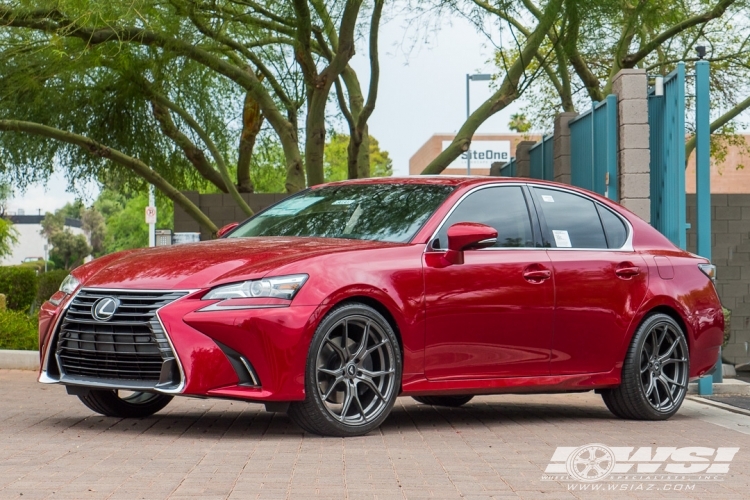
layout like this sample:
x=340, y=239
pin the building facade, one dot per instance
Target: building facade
x=31, y=242
x=485, y=150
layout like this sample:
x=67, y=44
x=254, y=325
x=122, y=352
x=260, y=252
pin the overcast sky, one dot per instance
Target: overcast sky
x=422, y=92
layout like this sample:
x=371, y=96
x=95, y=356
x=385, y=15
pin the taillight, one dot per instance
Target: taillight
x=709, y=270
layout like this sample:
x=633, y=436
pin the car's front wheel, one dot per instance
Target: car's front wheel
x=353, y=374
x=124, y=404
x=655, y=373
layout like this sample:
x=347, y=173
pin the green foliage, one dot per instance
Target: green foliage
x=94, y=226
x=124, y=219
x=38, y=265
x=519, y=123
x=68, y=249
x=19, y=331
x=19, y=286
x=48, y=283
x=335, y=164
x=727, y=325
x=8, y=237
x=268, y=166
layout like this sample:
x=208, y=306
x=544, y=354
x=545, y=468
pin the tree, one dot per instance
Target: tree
x=8, y=234
x=68, y=249
x=93, y=225
x=337, y=159
x=124, y=226
x=164, y=73
x=592, y=41
x=527, y=44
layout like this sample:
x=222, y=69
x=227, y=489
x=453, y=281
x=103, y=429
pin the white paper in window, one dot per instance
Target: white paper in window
x=562, y=240
x=343, y=202
x=548, y=198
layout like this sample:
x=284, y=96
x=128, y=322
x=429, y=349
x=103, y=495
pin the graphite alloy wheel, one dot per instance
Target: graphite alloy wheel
x=449, y=401
x=353, y=374
x=125, y=404
x=655, y=373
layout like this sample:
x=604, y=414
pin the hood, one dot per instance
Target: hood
x=208, y=263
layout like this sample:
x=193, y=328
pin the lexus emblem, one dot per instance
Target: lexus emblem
x=104, y=308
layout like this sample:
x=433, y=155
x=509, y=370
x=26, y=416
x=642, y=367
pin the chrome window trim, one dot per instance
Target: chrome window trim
x=460, y=200
x=626, y=247
x=44, y=378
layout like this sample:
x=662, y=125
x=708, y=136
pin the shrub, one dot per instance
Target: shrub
x=19, y=286
x=48, y=284
x=38, y=265
x=18, y=330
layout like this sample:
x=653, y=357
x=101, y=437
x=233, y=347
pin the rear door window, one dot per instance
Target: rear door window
x=572, y=221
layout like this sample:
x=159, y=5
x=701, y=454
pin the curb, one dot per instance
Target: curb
x=720, y=405
x=19, y=360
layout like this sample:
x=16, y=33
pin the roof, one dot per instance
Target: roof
x=37, y=219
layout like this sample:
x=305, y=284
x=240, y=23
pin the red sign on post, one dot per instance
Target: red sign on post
x=150, y=215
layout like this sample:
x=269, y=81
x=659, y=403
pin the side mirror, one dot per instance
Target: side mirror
x=224, y=230
x=468, y=236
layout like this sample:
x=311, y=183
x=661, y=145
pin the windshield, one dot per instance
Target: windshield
x=382, y=212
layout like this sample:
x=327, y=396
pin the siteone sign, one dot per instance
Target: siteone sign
x=482, y=153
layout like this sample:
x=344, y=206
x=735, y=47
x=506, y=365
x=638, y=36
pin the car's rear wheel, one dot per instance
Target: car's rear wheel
x=450, y=401
x=124, y=404
x=655, y=373
x=353, y=374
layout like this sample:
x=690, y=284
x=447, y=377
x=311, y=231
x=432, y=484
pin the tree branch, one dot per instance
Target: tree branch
x=133, y=164
x=718, y=10
x=718, y=123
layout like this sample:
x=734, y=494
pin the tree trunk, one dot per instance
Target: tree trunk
x=315, y=140
x=252, y=120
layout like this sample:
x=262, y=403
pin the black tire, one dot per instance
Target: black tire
x=329, y=363
x=449, y=401
x=135, y=405
x=651, y=365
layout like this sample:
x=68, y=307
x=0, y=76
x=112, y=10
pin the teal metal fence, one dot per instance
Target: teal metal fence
x=540, y=159
x=666, y=119
x=593, y=149
x=509, y=169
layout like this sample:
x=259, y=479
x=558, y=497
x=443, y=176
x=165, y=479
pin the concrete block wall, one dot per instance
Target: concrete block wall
x=630, y=86
x=730, y=253
x=221, y=209
x=561, y=148
x=523, y=162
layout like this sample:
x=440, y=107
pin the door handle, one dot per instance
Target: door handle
x=627, y=270
x=536, y=274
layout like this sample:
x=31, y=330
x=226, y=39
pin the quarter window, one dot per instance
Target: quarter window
x=572, y=221
x=503, y=208
x=615, y=229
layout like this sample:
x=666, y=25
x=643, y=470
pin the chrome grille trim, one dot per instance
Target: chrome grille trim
x=131, y=350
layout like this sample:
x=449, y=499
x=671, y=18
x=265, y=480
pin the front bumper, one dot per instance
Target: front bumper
x=274, y=342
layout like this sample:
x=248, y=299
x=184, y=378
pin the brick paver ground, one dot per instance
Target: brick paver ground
x=51, y=446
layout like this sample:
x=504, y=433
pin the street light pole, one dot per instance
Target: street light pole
x=469, y=78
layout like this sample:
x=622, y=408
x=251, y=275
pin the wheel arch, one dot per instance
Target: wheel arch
x=379, y=307
x=663, y=305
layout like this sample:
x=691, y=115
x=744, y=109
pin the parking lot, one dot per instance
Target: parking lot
x=51, y=446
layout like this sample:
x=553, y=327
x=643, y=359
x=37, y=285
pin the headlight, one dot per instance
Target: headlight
x=69, y=284
x=281, y=287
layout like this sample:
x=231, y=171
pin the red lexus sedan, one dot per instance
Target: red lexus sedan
x=337, y=300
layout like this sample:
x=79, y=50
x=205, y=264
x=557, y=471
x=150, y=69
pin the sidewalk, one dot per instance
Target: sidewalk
x=51, y=446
